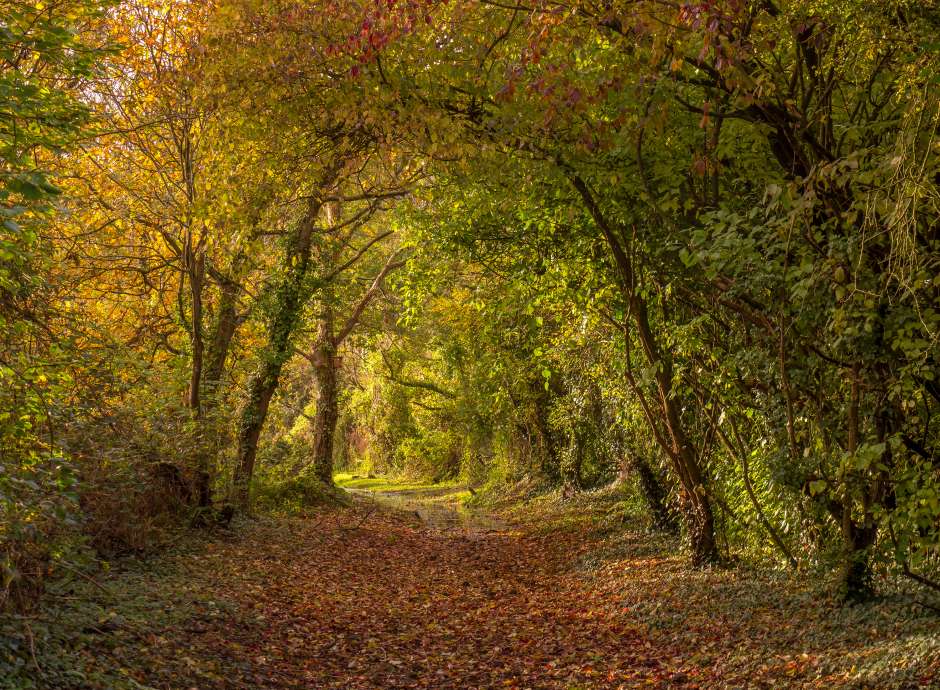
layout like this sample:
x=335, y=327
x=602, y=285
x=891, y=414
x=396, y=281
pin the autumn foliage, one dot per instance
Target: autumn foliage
x=681, y=254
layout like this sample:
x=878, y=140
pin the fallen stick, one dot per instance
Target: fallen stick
x=360, y=523
x=63, y=564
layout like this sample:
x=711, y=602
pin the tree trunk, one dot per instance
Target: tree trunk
x=700, y=522
x=261, y=387
x=855, y=575
x=574, y=461
x=223, y=332
x=195, y=264
x=697, y=510
x=288, y=303
x=653, y=493
x=701, y=528
x=327, y=414
x=549, y=454
x=324, y=362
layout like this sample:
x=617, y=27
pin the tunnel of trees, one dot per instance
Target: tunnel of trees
x=692, y=249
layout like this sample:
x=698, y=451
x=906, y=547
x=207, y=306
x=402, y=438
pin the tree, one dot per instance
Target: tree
x=46, y=55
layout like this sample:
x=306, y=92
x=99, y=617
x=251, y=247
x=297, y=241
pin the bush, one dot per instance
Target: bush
x=38, y=524
x=295, y=492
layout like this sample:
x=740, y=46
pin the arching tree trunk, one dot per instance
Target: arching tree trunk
x=662, y=410
x=699, y=519
x=289, y=299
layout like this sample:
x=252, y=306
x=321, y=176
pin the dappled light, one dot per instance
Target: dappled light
x=556, y=344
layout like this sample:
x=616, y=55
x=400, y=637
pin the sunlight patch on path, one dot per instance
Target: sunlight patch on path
x=438, y=508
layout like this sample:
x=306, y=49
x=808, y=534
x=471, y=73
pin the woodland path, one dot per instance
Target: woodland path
x=401, y=591
x=408, y=593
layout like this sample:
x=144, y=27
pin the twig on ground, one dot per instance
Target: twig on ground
x=84, y=575
x=360, y=523
x=32, y=645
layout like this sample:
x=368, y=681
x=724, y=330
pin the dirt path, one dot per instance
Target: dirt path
x=399, y=601
x=374, y=597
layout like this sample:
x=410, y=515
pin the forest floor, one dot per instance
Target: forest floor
x=404, y=590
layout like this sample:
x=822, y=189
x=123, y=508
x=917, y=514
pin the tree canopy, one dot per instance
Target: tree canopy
x=690, y=250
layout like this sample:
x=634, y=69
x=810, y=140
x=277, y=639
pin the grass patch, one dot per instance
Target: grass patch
x=88, y=627
x=296, y=493
x=354, y=481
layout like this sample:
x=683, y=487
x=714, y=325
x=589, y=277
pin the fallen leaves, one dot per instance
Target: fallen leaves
x=294, y=603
